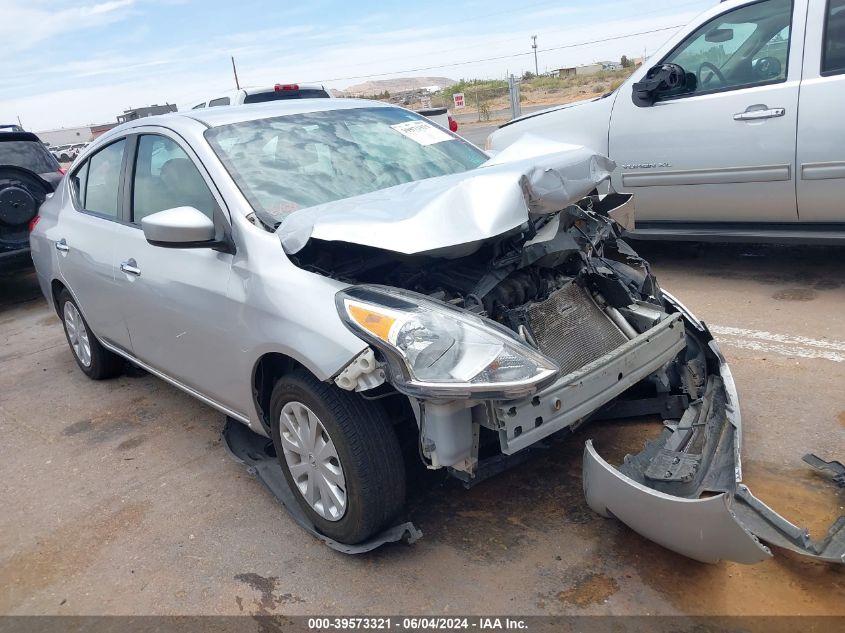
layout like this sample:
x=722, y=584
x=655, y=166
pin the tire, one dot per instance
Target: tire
x=93, y=359
x=372, y=472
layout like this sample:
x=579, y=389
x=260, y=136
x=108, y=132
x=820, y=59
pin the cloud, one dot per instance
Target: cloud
x=94, y=84
x=35, y=22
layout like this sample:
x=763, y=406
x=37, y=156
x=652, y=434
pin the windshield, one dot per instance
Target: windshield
x=289, y=162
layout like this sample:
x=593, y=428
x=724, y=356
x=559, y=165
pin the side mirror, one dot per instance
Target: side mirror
x=181, y=227
x=663, y=80
x=719, y=36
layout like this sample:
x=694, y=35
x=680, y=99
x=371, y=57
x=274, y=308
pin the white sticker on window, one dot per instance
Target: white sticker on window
x=422, y=132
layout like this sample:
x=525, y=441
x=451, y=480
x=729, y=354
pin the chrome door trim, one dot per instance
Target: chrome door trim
x=191, y=392
x=721, y=176
x=756, y=115
x=825, y=170
x=130, y=267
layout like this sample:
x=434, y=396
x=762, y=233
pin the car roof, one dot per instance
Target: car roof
x=224, y=115
x=18, y=136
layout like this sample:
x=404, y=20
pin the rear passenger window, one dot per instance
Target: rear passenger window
x=98, y=181
x=218, y=102
x=833, y=54
x=166, y=178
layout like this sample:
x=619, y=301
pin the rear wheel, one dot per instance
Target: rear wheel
x=340, y=456
x=93, y=359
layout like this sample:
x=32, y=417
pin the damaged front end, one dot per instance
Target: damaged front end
x=534, y=319
x=684, y=490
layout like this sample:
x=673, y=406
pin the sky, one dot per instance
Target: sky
x=75, y=63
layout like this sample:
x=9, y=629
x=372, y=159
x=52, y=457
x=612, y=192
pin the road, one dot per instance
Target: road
x=477, y=133
x=119, y=498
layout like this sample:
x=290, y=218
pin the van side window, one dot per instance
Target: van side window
x=222, y=101
x=833, y=53
x=98, y=180
x=746, y=47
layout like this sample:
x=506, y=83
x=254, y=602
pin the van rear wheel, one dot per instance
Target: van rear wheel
x=339, y=455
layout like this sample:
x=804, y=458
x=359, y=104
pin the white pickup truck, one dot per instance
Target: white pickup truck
x=732, y=130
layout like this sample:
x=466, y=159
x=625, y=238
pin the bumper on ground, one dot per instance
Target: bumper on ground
x=695, y=504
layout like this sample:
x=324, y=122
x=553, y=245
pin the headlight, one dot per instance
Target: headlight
x=435, y=350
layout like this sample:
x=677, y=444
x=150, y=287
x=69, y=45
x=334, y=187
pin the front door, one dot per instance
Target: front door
x=821, y=127
x=724, y=152
x=175, y=300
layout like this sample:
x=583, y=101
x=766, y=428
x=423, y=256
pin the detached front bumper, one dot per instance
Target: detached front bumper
x=693, y=502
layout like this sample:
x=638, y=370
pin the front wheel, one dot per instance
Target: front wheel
x=339, y=455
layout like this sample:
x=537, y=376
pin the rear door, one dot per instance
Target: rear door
x=724, y=152
x=89, y=231
x=821, y=127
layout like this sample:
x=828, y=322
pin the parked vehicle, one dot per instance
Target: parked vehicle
x=28, y=173
x=276, y=92
x=728, y=131
x=440, y=116
x=336, y=273
x=64, y=153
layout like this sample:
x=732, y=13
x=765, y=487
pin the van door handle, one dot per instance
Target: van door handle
x=130, y=266
x=62, y=246
x=757, y=112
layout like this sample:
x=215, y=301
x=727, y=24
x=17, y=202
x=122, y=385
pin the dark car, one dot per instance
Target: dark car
x=28, y=173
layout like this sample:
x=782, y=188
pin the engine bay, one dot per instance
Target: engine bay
x=502, y=279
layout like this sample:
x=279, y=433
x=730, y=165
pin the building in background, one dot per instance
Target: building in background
x=66, y=135
x=140, y=113
x=97, y=130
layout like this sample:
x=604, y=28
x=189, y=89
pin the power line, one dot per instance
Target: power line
x=500, y=41
x=498, y=57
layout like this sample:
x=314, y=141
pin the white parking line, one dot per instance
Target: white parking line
x=783, y=344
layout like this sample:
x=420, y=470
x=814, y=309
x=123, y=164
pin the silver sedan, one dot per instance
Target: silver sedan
x=337, y=274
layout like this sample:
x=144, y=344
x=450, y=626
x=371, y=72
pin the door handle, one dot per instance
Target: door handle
x=130, y=266
x=62, y=246
x=755, y=113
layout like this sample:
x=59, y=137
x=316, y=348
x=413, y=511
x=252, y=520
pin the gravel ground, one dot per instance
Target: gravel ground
x=118, y=497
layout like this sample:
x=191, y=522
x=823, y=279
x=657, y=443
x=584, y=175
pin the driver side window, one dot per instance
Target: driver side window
x=746, y=47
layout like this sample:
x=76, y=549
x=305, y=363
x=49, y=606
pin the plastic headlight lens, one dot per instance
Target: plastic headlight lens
x=436, y=349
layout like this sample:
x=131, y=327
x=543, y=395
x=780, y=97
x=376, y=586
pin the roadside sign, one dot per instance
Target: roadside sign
x=458, y=97
x=425, y=102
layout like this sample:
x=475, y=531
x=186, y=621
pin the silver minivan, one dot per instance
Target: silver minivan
x=337, y=274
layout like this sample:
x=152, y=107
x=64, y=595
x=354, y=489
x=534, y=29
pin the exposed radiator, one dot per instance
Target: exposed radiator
x=570, y=328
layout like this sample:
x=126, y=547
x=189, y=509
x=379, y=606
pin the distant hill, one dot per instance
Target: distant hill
x=400, y=84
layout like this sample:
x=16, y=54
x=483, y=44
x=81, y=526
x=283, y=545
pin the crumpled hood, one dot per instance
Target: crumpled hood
x=532, y=176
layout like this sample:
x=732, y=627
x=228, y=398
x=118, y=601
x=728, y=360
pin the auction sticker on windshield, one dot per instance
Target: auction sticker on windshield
x=421, y=132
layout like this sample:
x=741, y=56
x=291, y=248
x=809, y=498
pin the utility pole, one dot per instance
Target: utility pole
x=235, y=70
x=534, y=46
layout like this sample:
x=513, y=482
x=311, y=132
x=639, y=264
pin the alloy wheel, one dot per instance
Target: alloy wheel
x=313, y=461
x=77, y=334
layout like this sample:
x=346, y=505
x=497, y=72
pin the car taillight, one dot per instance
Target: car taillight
x=453, y=125
x=62, y=171
x=33, y=222
x=280, y=87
